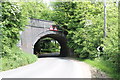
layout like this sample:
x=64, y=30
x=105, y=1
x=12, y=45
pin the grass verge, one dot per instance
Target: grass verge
x=104, y=66
x=16, y=59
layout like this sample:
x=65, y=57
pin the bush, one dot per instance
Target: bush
x=16, y=59
x=13, y=21
x=105, y=66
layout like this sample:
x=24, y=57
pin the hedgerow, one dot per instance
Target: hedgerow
x=13, y=20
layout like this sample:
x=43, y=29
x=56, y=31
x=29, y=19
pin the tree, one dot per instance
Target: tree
x=37, y=10
x=85, y=22
x=13, y=21
x=83, y=37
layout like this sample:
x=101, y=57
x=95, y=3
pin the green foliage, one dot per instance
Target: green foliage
x=49, y=50
x=37, y=10
x=13, y=21
x=111, y=41
x=103, y=66
x=16, y=59
x=84, y=21
x=49, y=45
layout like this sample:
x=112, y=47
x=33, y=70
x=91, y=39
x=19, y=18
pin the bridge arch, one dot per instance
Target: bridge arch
x=39, y=29
x=64, y=51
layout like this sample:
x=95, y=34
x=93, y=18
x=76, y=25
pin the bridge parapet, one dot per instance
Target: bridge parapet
x=40, y=23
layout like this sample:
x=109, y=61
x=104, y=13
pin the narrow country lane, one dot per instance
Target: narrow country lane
x=52, y=67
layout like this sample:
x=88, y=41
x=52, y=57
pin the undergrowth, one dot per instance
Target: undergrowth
x=16, y=59
x=105, y=66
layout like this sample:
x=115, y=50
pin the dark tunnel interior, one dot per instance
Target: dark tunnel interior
x=64, y=50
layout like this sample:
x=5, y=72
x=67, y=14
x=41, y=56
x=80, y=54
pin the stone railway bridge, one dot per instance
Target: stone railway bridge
x=38, y=30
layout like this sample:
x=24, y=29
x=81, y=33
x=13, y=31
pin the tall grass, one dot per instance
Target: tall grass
x=16, y=59
x=105, y=66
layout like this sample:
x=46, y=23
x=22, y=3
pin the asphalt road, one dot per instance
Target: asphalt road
x=52, y=67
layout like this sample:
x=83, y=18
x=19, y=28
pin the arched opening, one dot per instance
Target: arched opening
x=61, y=40
x=47, y=47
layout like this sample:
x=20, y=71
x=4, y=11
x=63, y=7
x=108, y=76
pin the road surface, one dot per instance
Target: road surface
x=52, y=67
